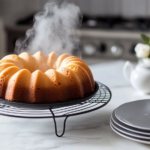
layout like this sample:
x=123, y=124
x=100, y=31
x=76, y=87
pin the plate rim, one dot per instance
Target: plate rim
x=122, y=125
x=129, y=137
x=128, y=133
x=134, y=126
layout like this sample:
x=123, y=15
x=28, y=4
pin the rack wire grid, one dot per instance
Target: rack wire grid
x=99, y=100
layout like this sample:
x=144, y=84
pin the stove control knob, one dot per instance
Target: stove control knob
x=89, y=49
x=102, y=48
x=132, y=49
x=116, y=50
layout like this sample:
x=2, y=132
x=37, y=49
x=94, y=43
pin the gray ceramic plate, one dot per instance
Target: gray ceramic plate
x=126, y=127
x=130, y=137
x=133, y=134
x=135, y=114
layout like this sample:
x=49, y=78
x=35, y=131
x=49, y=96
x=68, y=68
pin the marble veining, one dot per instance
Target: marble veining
x=83, y=132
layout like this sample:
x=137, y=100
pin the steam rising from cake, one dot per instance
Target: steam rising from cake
x=54, y=30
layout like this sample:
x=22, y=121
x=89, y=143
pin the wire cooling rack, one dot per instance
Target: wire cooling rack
x=99, y=100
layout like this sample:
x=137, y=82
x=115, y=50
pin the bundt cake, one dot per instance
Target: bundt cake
x=38, y=78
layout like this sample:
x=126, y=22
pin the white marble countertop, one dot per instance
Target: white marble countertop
x=83, y=132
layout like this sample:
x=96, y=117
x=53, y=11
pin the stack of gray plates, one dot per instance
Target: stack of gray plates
x=132, y=120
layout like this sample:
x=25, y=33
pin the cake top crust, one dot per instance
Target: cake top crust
x=38, y=61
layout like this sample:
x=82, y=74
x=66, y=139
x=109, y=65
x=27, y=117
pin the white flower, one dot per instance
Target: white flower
x=146, y=61
x=142, y=50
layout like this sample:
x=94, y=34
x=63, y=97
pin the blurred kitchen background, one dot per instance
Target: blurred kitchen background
x=110, y=28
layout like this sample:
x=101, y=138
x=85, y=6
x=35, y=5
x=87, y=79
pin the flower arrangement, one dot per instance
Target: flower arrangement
x=143, y=49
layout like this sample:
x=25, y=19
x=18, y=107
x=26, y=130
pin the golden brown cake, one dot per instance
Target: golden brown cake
x=39, y=78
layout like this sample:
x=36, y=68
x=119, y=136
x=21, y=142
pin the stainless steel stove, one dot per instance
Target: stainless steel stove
x=109, y=44
x=112, y=37
x=101, y=37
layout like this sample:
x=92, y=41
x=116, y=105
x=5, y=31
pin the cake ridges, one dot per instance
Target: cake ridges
x=41, y=78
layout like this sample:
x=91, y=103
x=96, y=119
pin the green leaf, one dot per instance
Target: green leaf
x=149, y=41
x=145, y=38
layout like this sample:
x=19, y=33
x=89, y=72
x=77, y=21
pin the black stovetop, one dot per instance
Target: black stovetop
x=107, y=22
x=116, y=23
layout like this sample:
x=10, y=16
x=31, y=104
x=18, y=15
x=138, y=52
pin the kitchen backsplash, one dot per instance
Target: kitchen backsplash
x=125, y=8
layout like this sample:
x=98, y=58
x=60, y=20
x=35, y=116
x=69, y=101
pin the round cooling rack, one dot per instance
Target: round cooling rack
x=99, y=100
x=49, y=105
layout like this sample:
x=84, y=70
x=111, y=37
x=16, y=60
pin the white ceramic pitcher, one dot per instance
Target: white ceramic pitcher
x=139, y=77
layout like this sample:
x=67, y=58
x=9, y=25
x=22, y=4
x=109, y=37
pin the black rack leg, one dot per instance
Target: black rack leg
x=64, y=126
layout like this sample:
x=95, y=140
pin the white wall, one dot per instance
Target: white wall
x=2, y=40
x=11, y=10
x=133, y=8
